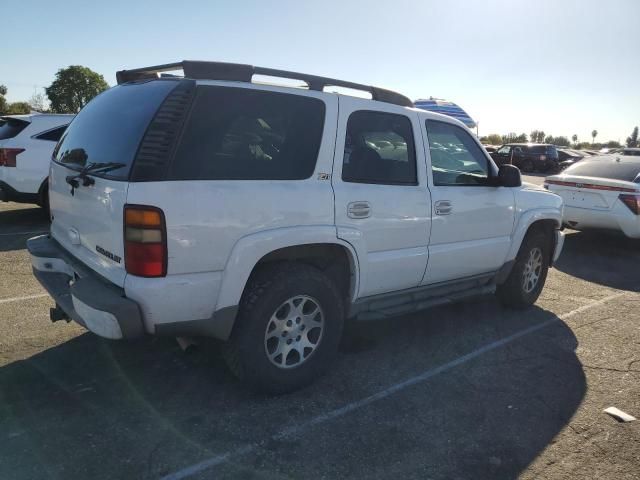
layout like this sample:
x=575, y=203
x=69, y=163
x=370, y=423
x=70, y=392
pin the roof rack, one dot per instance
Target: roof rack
x=199, y=70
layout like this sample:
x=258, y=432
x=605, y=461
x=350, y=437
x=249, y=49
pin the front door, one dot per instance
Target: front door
x=472, y=221
x=382, y=202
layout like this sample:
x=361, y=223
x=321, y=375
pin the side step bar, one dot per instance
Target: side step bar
x=400, y=303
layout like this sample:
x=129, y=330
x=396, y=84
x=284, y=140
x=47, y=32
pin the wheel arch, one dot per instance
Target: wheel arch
x=317, y=246
x=547, y=220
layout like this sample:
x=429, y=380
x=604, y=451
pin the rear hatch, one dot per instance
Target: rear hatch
x=596, y=183
x=88, y=219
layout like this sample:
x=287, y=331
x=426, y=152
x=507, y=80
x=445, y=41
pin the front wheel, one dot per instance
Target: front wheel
x=288, y=328
x=526, y=280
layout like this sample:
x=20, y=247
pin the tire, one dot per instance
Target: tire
x=518, y=291
x=276, y=298
x=44, y=200
x=527, y=166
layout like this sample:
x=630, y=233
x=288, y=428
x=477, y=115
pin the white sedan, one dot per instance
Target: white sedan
x=600, y=192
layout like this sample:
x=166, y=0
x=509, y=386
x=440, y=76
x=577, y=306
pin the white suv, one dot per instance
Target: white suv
x=265, y=216
x=26, y=144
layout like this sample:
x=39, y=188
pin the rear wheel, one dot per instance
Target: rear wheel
x=288, y=328
x=527, y=165
x=526, y=280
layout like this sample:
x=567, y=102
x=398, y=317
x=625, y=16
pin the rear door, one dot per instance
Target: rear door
x=382, y=203
x=472, y=221
x=88, y=220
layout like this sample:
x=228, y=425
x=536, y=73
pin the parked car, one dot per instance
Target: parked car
x=567, y=158
x=26, y=144
x=528, y=157
x=490, y=148
x=601, y=193
x=632, y=151
x=266, y=215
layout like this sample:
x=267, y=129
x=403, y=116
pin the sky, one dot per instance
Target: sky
x=563, y=66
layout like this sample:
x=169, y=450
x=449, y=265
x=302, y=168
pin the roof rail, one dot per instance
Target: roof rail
x=199, y=70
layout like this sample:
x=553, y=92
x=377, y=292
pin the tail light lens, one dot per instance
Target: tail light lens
x=631, y=201
x=8, y=156
x=145, y=241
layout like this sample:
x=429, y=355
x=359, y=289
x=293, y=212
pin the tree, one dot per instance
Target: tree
x=18, y=108
x=493, y=139
x=15, y=108
x=632, y=141
x=574, y=138
x=537, y=136
x=3, y=101
x=612, y=144
x=73, y=88
x=594, y=134
x=37, y=102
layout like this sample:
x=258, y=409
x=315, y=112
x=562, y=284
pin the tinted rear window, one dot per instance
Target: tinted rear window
x=243, y=134
x=110, y=127
x=52, y=135
x=542, y=149
x=605, y=168
x=9, y=128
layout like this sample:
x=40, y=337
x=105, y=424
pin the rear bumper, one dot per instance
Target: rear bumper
x=82, y=294
x=618, y=218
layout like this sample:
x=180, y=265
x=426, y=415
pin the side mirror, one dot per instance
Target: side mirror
x=509, y=176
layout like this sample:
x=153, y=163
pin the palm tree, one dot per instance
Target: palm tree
x=575, y=139
x=594, y=134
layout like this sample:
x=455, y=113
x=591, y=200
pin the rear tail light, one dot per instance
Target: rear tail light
x=631, y=201
x=145, y=241
x=543, y=158
x=8, y=156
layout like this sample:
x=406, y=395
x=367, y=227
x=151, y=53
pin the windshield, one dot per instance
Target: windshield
x=110, y=127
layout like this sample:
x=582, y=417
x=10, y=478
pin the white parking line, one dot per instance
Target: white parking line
x=26, y=297
x=292, y=431
x=24, y=233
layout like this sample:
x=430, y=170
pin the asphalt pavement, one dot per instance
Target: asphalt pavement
x=465, y=391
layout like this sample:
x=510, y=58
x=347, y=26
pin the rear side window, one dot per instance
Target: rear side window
x=110, y=127
x=11, y=127
x=244, y=134
x=52, y=135
x=627, y=171
x=542, y=149
x=379, y=148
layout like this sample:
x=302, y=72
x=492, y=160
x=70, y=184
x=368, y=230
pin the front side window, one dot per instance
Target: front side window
x=379, y=149
x=245, y=134
x=461, y=161
x=504, y=150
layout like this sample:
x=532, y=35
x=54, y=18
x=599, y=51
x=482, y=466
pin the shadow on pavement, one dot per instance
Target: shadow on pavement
x=18, y=225
x=91, y=408
x=603, y=258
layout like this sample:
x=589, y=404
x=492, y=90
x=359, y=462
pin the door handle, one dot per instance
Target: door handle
x=443, y=207
x=359, y=210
